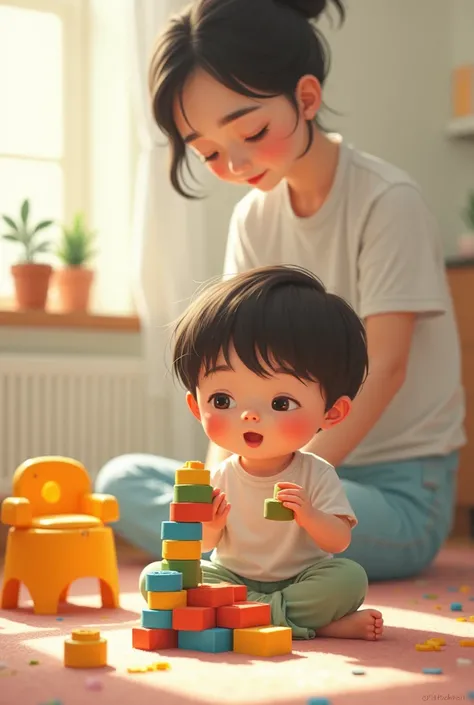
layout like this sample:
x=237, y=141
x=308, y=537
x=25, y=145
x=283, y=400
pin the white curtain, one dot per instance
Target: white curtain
x=168, y=239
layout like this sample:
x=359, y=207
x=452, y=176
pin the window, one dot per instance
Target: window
x=42, y=124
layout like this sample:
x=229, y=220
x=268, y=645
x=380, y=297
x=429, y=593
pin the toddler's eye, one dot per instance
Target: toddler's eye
x=284, y=404
x=222, y=401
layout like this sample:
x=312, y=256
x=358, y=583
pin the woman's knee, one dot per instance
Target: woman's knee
x=115, y=475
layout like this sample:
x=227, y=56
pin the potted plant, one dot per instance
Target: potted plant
x=31, y=278
x=466, y=241
x=75, y=251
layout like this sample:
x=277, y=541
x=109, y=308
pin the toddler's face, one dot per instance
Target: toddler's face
x=258, y=417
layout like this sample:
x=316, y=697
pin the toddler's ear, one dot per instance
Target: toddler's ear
x=193, y=405
x=337, y=413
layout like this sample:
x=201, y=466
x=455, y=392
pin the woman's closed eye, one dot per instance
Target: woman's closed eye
x=258, y=136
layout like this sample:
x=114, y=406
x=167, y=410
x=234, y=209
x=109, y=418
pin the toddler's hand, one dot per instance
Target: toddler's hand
x=295, y=498
x=220, y=510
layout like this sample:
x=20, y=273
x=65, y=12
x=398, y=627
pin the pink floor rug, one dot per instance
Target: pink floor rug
x=361, y=673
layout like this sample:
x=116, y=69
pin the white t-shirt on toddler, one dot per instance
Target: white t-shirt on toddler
x=265, y=550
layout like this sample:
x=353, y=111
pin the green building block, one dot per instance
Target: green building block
x=199, y=494
x=275, y=511
x=191, y=570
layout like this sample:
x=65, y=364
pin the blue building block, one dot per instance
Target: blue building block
x=433, y=671
x=181, y=531
x=456, y=607
x=164, y=581
x=210, y=641
x=318, y=701
x=157, y=619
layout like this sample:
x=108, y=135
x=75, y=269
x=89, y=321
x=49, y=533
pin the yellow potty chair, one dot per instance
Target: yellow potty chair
x=57, y=534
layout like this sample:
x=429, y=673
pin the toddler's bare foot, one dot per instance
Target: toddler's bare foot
x=364, y=624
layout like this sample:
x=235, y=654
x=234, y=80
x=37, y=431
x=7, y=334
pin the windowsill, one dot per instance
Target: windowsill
x=85, y=321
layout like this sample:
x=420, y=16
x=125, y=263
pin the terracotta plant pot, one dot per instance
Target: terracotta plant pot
x=73, y=285
x=31, y=285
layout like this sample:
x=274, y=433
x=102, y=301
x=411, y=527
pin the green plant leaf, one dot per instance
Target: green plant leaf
x=9, y=221
x=25, y=211
x=41, y=226
x=11, y=237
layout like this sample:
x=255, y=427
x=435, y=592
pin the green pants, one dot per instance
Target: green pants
x=321, y=594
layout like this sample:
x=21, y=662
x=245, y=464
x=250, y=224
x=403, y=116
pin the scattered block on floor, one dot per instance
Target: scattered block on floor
x=85, y=648
x=182, y=550
x=157, y=619
x=153, y=639
x=263, y=641
x=244, y=614
x=190, y=570
x=212, y=641
x=164, y=580
x=192, y=619
x=166, y=600
x=211, y=595
x=193, y=493
x=179, y=531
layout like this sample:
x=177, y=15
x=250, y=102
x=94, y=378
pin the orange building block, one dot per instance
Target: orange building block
x=211, y=595
x=263, y=641
x=85, y=649
x=240, y=593
x=166, y=600
x=153, y=639
x=244, y=614
x=190, y=512
x=194, y=619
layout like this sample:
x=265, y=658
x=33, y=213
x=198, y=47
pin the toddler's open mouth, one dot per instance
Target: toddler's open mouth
x=253, y=439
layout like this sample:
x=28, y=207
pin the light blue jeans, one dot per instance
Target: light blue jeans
x=405, y=509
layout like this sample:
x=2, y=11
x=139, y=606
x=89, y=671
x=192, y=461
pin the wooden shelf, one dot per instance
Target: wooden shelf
x=461, y=127
x=47, y=319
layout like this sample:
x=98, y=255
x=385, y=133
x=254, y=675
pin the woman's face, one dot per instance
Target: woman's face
x=244, y=140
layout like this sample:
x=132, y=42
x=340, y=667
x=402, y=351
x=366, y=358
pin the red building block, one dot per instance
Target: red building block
x=208, y=595
x=194, y=619
x=240, y=593
x=187, y=512
x=241, y=615
x=153, y=639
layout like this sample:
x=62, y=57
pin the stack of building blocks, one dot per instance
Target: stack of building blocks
x=183, y=612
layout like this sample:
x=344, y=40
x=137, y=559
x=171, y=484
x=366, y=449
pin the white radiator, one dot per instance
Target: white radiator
x=87, y=408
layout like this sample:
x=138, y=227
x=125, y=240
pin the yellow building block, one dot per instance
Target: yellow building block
x=85, y=649
x=166, y=600
x=263, y=641
x=182, y=550
x=185, y=476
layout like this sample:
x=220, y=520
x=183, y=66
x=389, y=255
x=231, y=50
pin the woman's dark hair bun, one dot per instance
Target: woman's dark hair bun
x=313, y=9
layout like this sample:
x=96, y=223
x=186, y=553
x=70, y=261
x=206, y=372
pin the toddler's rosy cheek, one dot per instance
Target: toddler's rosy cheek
x=295, y=428
x=216, y=426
